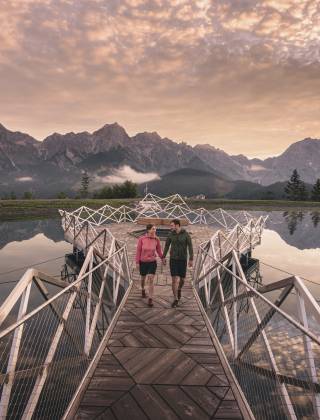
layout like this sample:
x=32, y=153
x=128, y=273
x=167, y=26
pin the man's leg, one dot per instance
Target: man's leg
x=181, y=283
x=175, y=284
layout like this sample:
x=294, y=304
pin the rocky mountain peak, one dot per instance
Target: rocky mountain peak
x=3, y=128
x=147, y=137
x=112, y=131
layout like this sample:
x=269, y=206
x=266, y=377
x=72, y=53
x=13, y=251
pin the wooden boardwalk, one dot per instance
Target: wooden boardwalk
x=160, y=362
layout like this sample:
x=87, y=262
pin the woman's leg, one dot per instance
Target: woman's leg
x=143, y=282
x=151, y=285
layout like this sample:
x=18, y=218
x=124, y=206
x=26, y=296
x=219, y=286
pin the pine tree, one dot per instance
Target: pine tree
x=315, y=193
x=296, y=189
x=85, y=180
x=315, y=217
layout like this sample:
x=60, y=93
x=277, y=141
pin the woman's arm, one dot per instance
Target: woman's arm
x=158, y=249
x=138, y=252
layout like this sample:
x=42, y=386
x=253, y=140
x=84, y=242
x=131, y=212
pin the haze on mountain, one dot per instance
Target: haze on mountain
x=57, y=162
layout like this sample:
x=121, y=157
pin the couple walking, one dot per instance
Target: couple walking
x=149, y=247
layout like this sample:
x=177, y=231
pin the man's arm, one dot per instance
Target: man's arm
x=190, y=247
x=167, y=246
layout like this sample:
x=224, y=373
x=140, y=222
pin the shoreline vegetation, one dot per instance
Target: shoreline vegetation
x=38, y=209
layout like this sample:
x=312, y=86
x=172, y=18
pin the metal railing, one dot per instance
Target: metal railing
x=45, y=353
x=274, y=355
x=157, y=207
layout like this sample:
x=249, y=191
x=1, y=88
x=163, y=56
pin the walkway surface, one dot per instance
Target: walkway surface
x=160, y=362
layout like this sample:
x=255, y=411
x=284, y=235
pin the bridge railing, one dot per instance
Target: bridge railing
x=274, y=354
x=156, y=207
x=45, y=353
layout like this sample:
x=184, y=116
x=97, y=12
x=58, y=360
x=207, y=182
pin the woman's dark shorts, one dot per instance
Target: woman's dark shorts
x=148, y=268
x=178, y=268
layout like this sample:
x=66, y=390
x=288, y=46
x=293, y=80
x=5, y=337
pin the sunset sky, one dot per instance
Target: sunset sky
x=241, y=75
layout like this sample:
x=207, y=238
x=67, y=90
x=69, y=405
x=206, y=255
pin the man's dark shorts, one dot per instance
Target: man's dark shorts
x=147, y=268
x=178, y=268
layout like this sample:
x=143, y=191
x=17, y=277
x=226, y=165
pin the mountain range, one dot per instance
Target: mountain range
x=56, y=163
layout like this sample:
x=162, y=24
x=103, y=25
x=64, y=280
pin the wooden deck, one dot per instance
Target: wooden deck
x=160, y=362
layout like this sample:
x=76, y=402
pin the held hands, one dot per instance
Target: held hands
x=164, y=262
x=190, y=264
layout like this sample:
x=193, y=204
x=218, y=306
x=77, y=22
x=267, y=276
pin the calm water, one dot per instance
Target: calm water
x=26, y=243
x=291, y=241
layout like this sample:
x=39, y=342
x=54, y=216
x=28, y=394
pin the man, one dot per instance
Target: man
x=180, y=242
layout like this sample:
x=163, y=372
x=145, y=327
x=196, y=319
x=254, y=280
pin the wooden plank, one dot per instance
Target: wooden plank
x=181, y=403
x=154, y=405
x=110, y=383
x=161, y=361
x=203, y=397
x=127, y=408
x=160, y=221
x=198, y=376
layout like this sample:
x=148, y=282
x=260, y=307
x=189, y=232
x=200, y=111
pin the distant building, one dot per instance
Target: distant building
x=199, y=197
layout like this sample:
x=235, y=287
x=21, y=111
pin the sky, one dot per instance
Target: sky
x=241, y=75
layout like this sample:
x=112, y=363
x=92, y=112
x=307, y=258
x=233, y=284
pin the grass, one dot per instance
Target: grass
x=263, y=205
x=40, y=209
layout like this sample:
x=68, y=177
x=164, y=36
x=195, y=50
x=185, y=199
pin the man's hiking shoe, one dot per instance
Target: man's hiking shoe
x=179, y=294
x=150, y=303
x=175, y=303
x=144, y=293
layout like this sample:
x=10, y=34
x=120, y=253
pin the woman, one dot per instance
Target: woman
x=146, y=259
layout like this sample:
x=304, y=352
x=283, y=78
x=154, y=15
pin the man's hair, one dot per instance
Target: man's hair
x=149, y=226
x=176, y=222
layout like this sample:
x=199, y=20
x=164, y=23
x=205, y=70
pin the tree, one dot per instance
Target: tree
x=130, y=189
x=296, y=189
x=315, y=193
x=13, y=195
x=27, y=195
x=85, y=180
x=61, y=195
x=126, y=190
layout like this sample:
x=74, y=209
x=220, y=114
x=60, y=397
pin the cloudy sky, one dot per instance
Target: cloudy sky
x=241, y=75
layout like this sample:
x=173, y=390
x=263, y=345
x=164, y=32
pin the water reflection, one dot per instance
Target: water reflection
x=315, y=217
x=293, y=218
x=27, y=243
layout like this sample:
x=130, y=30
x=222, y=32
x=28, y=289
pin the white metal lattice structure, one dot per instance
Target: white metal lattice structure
x=153, y=206
x=43, y=347
x=255, y=332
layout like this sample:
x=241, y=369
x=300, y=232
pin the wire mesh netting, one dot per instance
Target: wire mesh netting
x=45, y=355
x=276, y=358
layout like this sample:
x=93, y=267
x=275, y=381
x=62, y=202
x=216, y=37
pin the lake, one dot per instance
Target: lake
x=291, y=242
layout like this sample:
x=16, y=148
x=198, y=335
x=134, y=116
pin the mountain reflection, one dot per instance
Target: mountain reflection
x=18, y=231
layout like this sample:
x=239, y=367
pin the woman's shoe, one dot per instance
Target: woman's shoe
x=144, y=293
x=175, y=303
x=150, y=303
